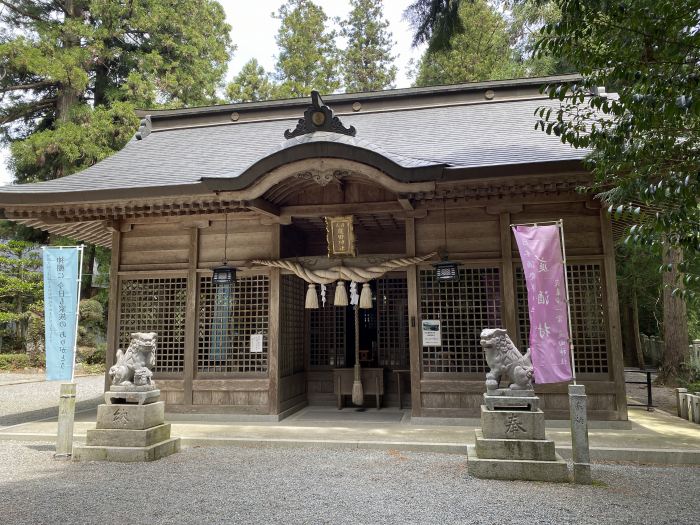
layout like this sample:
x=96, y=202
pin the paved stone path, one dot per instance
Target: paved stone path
x=25, y=397
x=306, y=485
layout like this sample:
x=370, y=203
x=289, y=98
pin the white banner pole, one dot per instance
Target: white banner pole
x=560, y=224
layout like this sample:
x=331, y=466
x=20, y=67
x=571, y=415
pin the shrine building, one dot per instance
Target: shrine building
x=266, y=189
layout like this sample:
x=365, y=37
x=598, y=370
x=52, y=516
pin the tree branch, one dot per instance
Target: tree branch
x=34, y=85
x=26, y=110
x=17, y=10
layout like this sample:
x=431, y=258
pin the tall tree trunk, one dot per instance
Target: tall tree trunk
x=675, y=319
x=636, y=337
x=67, y=95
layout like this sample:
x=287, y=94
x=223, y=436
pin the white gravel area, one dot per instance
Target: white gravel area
x=304, y=485
x=22, y=402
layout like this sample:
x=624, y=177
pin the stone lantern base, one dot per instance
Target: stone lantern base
x=511, y=443
x=130, y=427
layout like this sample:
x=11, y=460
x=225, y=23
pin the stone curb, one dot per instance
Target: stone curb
x=598, y=454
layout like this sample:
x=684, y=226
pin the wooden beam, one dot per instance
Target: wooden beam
x=507, y=278
x=414, y=345
x=405, y=203
x=323, y=210
x=190, y=357
x=262, y=206
x=113, y=306
x=615, y=358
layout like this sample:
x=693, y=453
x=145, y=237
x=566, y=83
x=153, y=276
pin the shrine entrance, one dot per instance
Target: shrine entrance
x=383, y=343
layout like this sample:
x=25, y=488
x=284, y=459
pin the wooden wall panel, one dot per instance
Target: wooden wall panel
x=471, y=233
x=154, y=246
x=581, y=225
x=247, y=240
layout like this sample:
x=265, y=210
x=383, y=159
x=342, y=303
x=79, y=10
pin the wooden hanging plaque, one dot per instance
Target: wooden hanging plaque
x=340, y=236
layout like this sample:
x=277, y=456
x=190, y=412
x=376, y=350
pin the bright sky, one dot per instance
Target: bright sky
x=253, y=32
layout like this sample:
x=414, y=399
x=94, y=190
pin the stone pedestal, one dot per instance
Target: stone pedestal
x=511, y=443
x=129, y=432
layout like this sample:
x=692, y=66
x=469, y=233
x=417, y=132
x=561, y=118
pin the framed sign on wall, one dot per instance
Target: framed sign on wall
x=340, y=236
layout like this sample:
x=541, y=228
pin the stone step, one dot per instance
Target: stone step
x=556, y=471
x=127, y=454
x=512, y=424
x=110, y=437
x=132, y=417
x=519, y=449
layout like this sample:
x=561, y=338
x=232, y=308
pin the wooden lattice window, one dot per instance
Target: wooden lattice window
x=229, y=315
x=155, y=305
x=392, y=322
x=587, y=316
x=292, y=295
x=464, y=308
x=327, y=334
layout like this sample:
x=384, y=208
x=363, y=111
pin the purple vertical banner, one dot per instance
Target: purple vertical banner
x=543, y=265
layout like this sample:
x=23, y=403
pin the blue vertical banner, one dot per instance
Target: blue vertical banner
x=61, y=285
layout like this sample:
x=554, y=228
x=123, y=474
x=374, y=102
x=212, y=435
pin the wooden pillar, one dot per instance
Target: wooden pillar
x=191, y=314
x=615, y=357
x=413, y=320
x=273, y=323
x=113, y=306
x=509, y=306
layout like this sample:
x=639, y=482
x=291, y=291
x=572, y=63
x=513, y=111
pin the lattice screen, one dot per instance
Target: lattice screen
x=155, y=305
x=464, y=308
x=587, y=316
x=327, y=333
x=292, y=294
x=228, y=316
x=392, y=323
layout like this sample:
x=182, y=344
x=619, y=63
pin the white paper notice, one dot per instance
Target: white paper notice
x=256, y=343
x=431, y=332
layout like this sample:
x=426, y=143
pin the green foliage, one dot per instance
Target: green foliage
x=14, y=361
x=251, y=84
x=74, y=74
x=480, y=51
x=435, y=22
x=525, y=18
x=367, y=62
x=91, y=322
x=645, y=141
x=92, y=355
x=21, y=285
x=308, y=56
x=638, y=277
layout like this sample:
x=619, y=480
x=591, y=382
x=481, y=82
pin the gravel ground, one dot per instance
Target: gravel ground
x=24, y=402
x=268, y=485
x=663, y=397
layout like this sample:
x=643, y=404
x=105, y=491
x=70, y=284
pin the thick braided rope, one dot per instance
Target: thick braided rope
x=343, y=273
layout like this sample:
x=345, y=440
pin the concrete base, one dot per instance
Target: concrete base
x=127, y=454
x=128, y=433
x=512, y=424
x=518, y=449
x=130, y=417
x=512, y=399
x=527, y=470
x=128, y=438
x=148, y=395
x=511, y=445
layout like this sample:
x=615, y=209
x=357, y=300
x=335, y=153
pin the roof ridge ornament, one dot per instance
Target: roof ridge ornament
x=319, y=117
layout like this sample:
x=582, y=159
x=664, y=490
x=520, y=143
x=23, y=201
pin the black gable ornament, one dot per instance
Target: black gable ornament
x=319, y=117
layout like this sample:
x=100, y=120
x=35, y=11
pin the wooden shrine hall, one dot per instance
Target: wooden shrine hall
x=418, y=175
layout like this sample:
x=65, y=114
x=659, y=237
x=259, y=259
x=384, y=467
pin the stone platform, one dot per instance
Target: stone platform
x=128, y=432
x=511, y=445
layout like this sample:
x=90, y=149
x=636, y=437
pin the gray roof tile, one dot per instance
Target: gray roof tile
x=473, y=135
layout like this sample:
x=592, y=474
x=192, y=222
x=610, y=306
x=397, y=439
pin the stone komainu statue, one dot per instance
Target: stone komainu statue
x=504, y=359
x=133, y=366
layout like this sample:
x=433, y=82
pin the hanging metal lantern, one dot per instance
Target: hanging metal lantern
x=446, y=271
x=224, y=275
